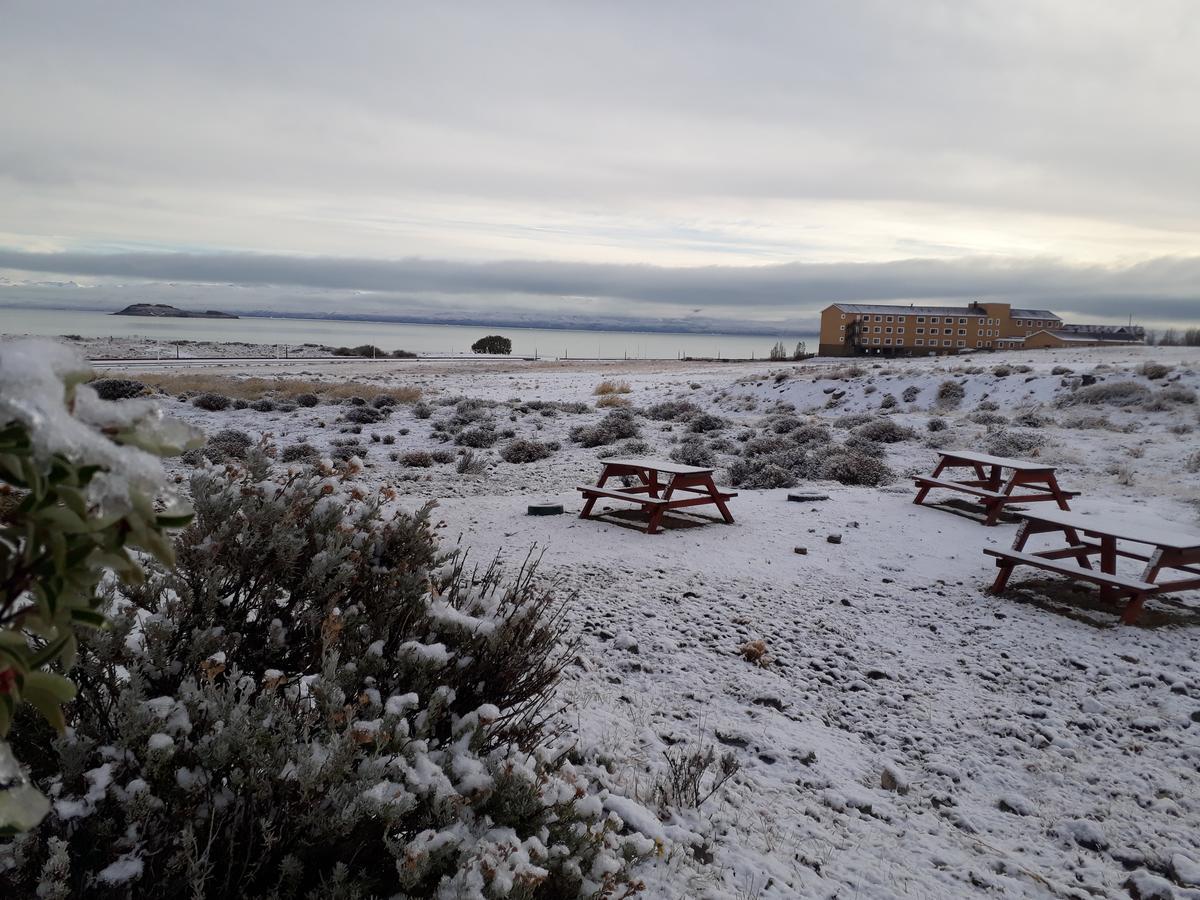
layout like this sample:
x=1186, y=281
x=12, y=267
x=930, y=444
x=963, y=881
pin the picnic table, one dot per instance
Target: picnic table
x=1087, y=535
x=662, y=486
x=993, y=488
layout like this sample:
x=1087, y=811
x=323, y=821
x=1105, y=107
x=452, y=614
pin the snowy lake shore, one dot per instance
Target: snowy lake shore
x=909, y=735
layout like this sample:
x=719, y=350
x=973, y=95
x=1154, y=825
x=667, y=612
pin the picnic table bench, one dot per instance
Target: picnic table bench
x=990, y=485
x=1086, y=536
x=662, y=486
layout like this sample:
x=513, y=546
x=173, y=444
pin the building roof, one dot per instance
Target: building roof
x=1092, y=337
x=1134, y=331
x=882, y=309
x=1032, y=314
x=886, y=309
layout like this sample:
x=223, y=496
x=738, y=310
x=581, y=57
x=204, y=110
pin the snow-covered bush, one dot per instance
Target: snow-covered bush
x=307, y=400
x=1114, y=392
x=364, y=415
x=317, y=702
x=416, y=459
x=986, y=417
x=299, y=452
x=480, y=436
x=910, y=394
x=79, y=481
x=936, y=424
x=884, y=431
x=525, y=451
x=673, y=411
x=263, y=404
x=227, y=444
x=617, y=425
x=1013, y=443
x=1177, y=393
x=850, y=466
x=706, y=422
x=632, y=447
x=692, y=451
x=950, y=393
x=1154, y=370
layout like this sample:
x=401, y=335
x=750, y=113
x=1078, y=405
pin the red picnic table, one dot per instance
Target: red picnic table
x=1170, y=549
x=662, y=486
x=990, y=485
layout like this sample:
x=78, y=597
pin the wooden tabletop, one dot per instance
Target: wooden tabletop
x=985, y=459
x=1117, y=526
x=658, y=465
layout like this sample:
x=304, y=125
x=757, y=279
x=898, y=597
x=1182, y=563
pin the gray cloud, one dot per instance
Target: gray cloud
x=1166, y=289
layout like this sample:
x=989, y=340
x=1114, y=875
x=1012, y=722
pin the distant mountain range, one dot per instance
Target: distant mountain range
x=163, y=311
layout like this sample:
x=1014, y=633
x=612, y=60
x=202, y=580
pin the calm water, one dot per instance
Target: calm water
x=425, y=339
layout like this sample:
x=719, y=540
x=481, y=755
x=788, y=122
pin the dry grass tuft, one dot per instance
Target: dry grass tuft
x=607, y=388
x=608, y=400
x=254, y=388
x=756, y=652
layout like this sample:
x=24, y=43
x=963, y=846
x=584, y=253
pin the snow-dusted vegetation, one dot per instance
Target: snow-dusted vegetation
x=820, y=700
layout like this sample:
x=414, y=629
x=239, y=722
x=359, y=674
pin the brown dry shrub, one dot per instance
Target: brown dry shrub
x=756, y=652
x=612, y=387
x=254, y=388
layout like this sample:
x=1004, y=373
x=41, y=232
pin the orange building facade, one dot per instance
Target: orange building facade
x=853, y=328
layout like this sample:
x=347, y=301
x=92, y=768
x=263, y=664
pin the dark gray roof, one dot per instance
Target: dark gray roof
x=1115, y=337
x=1033, y=314
x=880, y=309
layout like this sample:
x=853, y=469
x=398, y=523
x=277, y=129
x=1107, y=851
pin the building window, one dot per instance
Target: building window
x=947, y=343
x=888, y=319
x=876, y=340
x=919, y=341
x=962, y=331
x=962, y=343
x=843, y=328
x=934, y=331
x=899, y=331
x=920, y=330
x=877, y=329
x=979, y=343
x=887, y=340
x=888, y=330
x=879, y=318
x=933, y=320
x=900, y=319
x=920, y=319
x=962, y=321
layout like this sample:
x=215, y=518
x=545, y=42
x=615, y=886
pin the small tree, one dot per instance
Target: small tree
x=778, y=352
x=801, y=350
x=493, y=343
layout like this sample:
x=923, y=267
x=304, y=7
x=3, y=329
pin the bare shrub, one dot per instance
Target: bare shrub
x=1154, y=370
x=1002, y=371
x=416, y=459
x=684, y=785
x=612, y=387
x=706, y=422
x=618, y=424
x=364, y=415
x=983, y=417
x=950, y=393
x=1013, y=443
x=852, y=467
x=936, y=424
x=608, y=401
x=673, y=411
x=211, y=402
x=1177, y=393
x=266, y=404
x=634, y=447
x=1192, y=463
x=887, y=401
x=910, y=394
x=478, y=437
x=853, y=420
x=1061, y=370
x=470, y=464
x=117, y=388
x=884, y=431
x=254, y=388
x=525, y=451
x=307, y=400
x=299, y=452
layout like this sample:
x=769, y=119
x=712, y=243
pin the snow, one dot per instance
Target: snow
x=1046, y=750
x=125, y=869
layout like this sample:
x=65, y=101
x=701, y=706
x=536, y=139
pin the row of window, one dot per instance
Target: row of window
x=935, y=320
x=920, y=342
x=989, y=332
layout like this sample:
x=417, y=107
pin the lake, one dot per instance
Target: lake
x=432, y=340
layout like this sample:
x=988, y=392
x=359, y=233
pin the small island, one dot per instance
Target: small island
x=162, y=310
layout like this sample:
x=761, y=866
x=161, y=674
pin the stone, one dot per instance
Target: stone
x=834, y=538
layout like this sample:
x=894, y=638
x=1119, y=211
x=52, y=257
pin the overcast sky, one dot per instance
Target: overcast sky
x=749, y=161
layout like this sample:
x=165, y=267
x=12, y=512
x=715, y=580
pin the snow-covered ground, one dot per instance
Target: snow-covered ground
x=910, y=735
